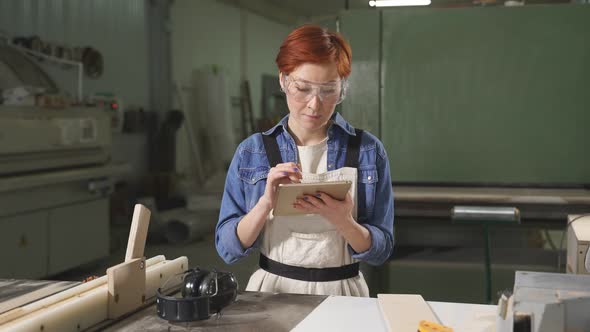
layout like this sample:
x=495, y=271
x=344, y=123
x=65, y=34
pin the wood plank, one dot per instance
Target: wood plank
x=403, y=312
x=126, y=285
x=344, y=313
x=138, y=232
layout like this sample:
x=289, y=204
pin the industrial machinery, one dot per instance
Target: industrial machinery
x=545, y=302
x=578, y=244
x=56, y=172
x=55, y=179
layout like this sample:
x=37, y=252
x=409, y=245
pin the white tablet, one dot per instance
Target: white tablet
x=287, y=194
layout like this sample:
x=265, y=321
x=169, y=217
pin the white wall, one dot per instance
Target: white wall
x=116, y=28
x=207, y=33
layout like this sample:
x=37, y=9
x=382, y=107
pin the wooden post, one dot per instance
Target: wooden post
x=126, y=281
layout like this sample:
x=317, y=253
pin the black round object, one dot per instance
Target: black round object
x=227, y=292
x=176, y=309
x=192, y=282
x=203, y=293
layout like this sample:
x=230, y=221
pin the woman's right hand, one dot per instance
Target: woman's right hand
x=281, y=173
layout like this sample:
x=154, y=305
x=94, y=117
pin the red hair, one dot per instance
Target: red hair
x=314, y=44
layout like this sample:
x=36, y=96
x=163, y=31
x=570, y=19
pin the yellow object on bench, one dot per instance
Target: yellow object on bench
x=426, y=326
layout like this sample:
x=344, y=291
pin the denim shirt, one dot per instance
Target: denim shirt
x=246, y=182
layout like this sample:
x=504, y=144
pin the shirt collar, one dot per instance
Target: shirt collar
x=337, y=119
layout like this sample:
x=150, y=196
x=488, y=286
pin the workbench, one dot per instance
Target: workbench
x=257, y=311
x=540, y=204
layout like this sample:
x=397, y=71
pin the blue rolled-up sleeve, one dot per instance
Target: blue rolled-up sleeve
x=233, y=209
x=380, y=225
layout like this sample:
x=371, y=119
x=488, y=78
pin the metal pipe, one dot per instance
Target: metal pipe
x=485, y=213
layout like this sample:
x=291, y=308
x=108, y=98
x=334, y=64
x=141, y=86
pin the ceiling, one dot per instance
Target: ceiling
x=297, y=11
x=293, y=12
x=315, y=8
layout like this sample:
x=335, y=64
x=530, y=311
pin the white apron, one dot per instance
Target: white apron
x=308, y=241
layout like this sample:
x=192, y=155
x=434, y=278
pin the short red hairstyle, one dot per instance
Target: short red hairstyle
x=314, y=44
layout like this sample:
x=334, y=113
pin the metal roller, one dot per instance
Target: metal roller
x=485, y=213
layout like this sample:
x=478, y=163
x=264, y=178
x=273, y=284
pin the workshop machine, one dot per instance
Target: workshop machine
x=55, y=181
x=578, y=244
x=56, y=173
x=545, y=302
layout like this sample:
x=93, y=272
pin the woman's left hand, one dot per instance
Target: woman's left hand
x=339, y=213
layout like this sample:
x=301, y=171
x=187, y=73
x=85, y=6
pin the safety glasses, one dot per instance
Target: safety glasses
x=303, y=91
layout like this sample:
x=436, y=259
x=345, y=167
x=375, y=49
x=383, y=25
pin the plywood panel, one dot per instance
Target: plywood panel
x=403, y=312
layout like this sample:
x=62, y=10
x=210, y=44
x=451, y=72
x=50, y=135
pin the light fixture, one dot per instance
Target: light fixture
x=398, y=3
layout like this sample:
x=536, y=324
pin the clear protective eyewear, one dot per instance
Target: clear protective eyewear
x=303, y=91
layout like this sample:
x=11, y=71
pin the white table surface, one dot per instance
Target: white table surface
x=343, y=313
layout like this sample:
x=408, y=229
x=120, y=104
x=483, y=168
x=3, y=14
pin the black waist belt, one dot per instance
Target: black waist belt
x=309, y=273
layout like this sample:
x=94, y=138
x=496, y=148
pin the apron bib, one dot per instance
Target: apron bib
x=308, y=241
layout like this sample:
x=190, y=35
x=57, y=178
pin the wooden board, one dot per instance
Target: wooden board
x=403, y=312
x=126, y=284
x=344, y=313
x=138, y=232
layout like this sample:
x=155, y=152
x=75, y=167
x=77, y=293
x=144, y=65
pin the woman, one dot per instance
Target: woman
x=318, y=252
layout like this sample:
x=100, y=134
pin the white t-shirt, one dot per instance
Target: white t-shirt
x=314, y=158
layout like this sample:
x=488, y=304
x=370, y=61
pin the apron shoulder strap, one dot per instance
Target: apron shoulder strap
x=353, y=149
x=272, y=150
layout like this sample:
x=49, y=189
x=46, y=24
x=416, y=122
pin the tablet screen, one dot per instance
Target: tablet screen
x=288, y=193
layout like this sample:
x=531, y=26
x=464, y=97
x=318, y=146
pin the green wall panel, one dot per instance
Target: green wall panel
x=361, y=106
x=495, y=95
x=476, y=95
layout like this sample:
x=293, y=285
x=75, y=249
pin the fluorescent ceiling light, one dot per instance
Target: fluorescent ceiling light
x=398, y=3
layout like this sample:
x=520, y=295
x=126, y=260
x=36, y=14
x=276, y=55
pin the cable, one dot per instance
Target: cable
x=563, y=236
